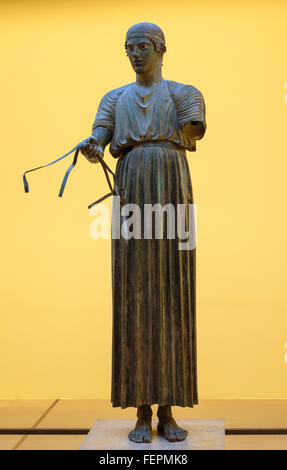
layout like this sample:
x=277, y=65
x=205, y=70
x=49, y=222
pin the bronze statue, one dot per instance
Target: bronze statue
x=149, y=125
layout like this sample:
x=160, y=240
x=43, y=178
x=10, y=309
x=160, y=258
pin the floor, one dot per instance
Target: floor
x=79, y=414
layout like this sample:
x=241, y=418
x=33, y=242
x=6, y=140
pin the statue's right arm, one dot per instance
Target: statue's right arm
x=101, y=136
x=103, y=126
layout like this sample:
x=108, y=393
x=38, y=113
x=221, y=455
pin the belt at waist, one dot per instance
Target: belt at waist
x=154, y=143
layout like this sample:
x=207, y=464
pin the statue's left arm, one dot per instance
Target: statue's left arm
x=190, y=107
x=194, y=129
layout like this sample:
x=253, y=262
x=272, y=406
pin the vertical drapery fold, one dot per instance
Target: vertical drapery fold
x=154, y=328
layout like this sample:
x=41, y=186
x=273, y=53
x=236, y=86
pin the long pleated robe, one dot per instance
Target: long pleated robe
x=153, y=282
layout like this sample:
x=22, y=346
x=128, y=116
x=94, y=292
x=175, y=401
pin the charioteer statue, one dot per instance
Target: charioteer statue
x=149, y=125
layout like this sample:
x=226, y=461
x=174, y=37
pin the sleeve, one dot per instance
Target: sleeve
x=105, y=116
x=189, y=103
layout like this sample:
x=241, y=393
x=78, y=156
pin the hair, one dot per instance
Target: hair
x=150, y=31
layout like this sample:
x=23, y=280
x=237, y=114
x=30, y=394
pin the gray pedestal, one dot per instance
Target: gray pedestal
x=112, y=434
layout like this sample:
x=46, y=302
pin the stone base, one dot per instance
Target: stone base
x=112, y=434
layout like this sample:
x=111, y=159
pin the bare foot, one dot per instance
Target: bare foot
x=170, y=430
x=167, y=426
x=142, y=431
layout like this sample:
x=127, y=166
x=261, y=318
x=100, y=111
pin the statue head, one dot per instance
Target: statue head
x=145, y=46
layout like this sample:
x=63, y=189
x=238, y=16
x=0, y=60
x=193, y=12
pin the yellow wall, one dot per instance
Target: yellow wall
x=58, y=59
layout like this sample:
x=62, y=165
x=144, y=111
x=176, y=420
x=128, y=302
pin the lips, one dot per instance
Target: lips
x=137, y=63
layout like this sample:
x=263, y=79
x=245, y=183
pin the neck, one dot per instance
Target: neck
x=149, y=78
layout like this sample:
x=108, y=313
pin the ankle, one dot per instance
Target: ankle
x=164, y=412
x=144, y=412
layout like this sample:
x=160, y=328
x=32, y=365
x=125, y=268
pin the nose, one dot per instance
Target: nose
x=136, y=52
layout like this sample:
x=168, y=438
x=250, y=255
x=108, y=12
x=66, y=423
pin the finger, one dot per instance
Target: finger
x=92, y=153
x=94, y=160
x=84, y=149
x=91, y=150
x=100, y=151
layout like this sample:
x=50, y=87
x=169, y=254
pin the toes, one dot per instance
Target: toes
x=172, y=433
x=146, y=435
x=135, y=437
x=139, y=436
x=181, y=434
